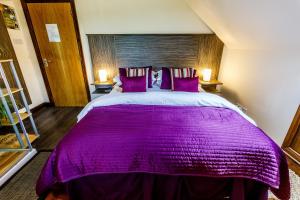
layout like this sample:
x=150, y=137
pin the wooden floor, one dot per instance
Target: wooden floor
x=53, y=123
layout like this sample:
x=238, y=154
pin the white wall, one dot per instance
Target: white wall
x=138, y=16
x=134, y=16
x=267, y=83
x=252, y=24
x=26, y=56
x=261, y=62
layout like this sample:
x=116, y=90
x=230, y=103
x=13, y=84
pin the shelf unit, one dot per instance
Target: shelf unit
x=19, y=150
x=7, y=122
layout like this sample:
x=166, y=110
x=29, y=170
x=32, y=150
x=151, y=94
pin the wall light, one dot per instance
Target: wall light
x=206, y=74
x=102, y=75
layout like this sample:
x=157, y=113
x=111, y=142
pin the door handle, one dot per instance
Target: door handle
x=46, y=62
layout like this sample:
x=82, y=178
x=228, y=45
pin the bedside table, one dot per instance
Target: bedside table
x=211, y=86
x=103, y=87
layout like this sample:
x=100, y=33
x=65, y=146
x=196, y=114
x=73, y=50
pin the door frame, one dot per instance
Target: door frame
x=293, y=157
x=37, y=50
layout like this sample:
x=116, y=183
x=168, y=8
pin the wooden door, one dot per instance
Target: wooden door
x=291, y=144
x=61, y=57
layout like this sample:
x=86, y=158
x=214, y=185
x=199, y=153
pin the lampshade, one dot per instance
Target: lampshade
x=206, y=74
x=102, y=75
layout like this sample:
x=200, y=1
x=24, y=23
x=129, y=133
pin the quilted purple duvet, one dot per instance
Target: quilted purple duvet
x=169, y=140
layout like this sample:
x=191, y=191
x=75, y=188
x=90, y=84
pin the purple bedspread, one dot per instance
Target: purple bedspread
x=170, y=140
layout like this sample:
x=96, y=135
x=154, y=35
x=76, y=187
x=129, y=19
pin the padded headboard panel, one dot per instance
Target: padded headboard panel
x=113, y=51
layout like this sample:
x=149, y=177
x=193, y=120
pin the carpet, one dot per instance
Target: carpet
x=295, y=187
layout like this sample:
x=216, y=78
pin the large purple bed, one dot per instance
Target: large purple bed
x=155, y=146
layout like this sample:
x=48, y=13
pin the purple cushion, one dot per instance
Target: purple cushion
x=183, y=72
x=149, y=77
x=165, y=78
x=166, y=81
x=134, y=84
x=122, y=72
x=186, y=84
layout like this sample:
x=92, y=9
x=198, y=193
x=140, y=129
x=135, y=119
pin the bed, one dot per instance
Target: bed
x=165, y=145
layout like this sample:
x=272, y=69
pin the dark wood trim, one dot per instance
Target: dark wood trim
x=294, y=165
x=292, y=130
x=36, y=47
x=293, y=156
x=42, y=105
x=79, y=42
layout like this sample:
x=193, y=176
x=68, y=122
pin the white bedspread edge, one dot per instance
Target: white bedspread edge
x=162, y=98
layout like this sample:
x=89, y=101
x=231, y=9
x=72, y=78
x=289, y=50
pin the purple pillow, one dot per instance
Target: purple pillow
x=186, y=84
x=134, y=84
x=166, y=81
x=149, y=76
x=165, y=78
x=122, y=72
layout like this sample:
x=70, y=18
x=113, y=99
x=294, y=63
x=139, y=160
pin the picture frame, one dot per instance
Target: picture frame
x=9, y=16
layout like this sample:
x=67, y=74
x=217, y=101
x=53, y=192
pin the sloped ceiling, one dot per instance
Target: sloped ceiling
x=252, y=24
x=138, y=16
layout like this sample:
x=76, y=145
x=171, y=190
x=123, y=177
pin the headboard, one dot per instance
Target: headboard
x=158, y=50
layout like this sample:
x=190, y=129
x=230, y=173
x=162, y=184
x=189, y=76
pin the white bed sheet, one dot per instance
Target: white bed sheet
x=157, y=96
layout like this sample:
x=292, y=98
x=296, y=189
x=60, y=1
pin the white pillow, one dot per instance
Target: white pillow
x=156, y=78
x=117, y=80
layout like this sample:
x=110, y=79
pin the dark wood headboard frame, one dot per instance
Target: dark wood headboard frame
x=111, y=51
